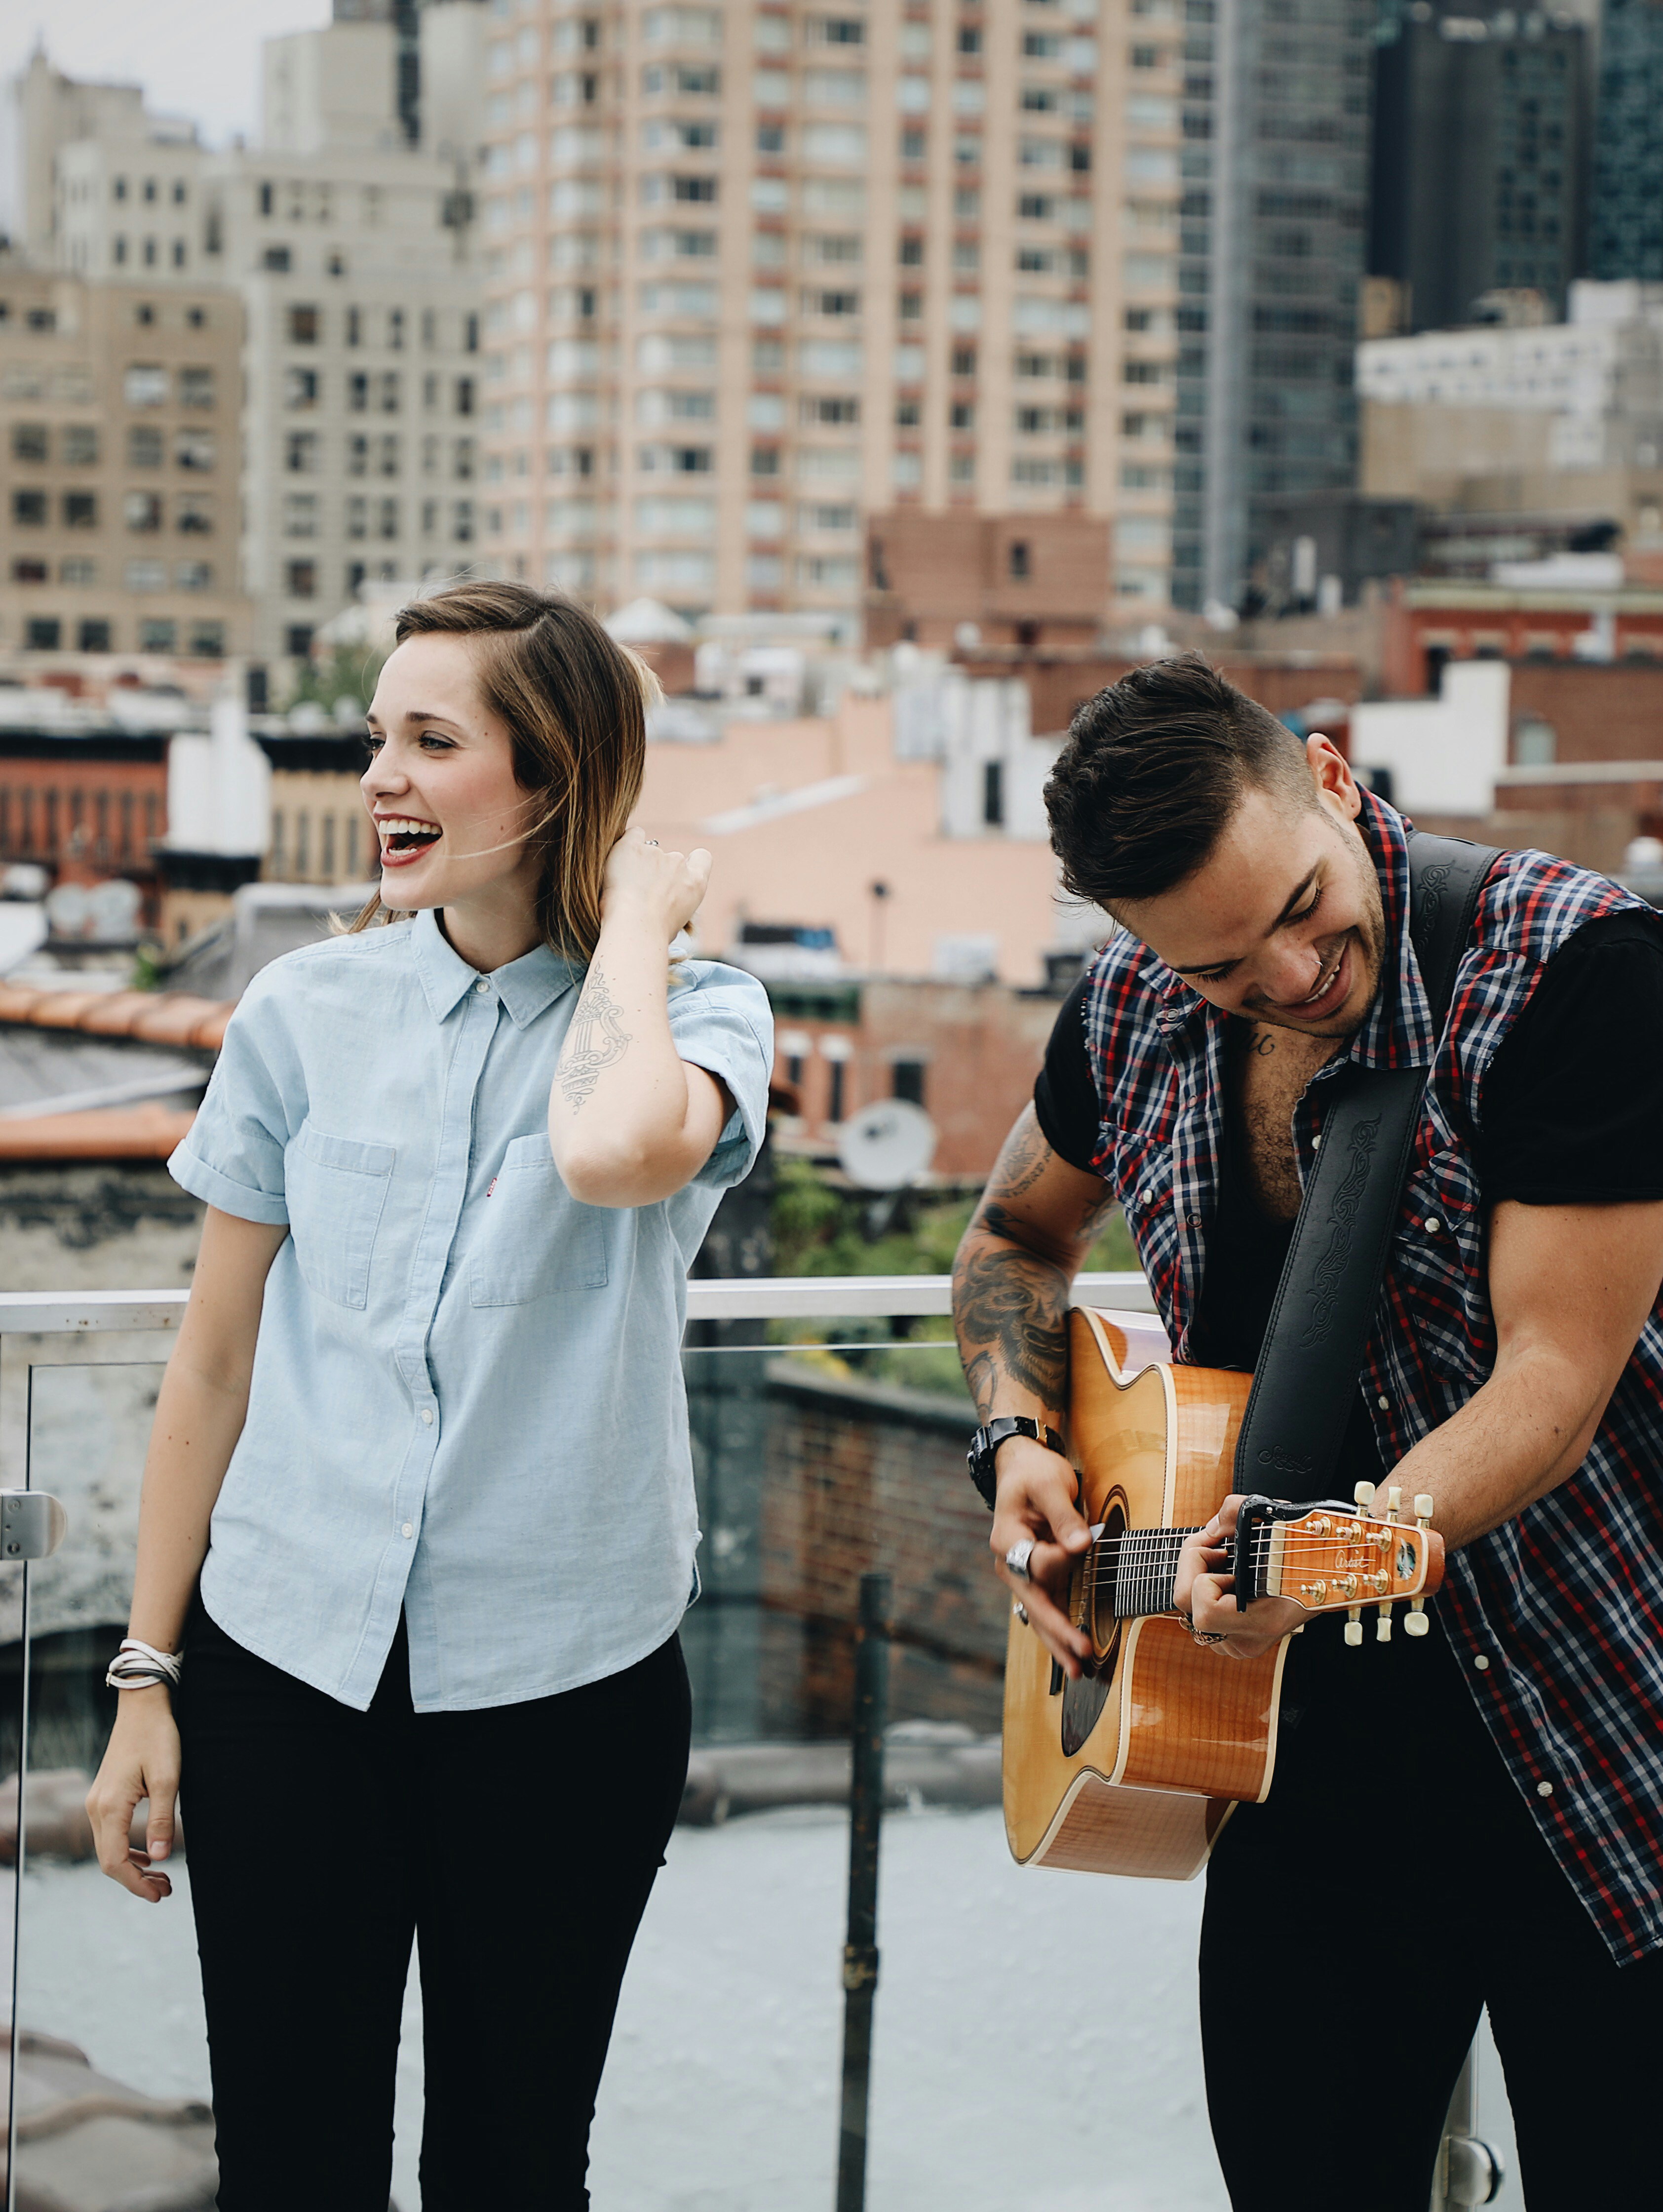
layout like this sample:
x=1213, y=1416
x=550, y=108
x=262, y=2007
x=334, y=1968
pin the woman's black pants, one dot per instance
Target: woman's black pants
x=517, y=1844
x=1357, y=1923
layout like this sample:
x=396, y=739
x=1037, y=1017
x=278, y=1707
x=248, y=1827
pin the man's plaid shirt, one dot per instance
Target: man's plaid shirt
x=1566, y=1600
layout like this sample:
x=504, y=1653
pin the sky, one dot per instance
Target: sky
x=195, y=57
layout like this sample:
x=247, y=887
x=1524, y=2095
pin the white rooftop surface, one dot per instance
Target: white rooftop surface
x=1035, y=2046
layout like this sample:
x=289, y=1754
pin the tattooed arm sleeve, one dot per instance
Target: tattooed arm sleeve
x=1011, y=1279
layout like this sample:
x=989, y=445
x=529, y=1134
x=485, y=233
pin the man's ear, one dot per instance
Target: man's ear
x=1331, y=772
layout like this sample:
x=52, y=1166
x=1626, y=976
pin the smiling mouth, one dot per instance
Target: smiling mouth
x=1325, y=982
x=403, y=838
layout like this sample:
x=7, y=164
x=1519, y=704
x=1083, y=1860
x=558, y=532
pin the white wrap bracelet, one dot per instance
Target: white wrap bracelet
x=140, y=1665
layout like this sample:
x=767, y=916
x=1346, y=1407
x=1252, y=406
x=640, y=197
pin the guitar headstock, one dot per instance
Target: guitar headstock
x=1331, y=1558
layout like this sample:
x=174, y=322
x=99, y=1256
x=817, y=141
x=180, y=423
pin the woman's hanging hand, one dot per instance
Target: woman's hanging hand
x=142, y=1761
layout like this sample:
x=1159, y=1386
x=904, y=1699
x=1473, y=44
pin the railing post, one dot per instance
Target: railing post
x=871, y=1697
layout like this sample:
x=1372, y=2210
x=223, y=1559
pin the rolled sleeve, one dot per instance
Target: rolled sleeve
x=232, y=1156
x=722, y=1021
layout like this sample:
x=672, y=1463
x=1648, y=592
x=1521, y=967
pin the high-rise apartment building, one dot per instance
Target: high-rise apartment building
x=1625, y=211
x=119, y=471
x=1273, y=222
x=1482, y=140
x=758, y=271
x=350, y=256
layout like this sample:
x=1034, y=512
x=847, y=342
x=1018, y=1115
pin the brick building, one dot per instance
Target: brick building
x=1015, y=580
x=86, y=806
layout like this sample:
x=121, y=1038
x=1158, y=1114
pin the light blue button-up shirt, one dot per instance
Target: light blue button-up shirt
x=467, y=1401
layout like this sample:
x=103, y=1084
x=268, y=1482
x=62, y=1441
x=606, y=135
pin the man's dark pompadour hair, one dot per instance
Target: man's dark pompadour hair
x=1152, y=771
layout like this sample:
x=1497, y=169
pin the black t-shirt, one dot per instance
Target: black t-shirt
x=1573, y=1109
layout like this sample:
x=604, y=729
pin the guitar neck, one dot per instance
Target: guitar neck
x=1145, y=1569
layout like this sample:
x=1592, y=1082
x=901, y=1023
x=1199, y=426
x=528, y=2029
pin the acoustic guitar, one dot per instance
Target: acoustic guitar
x=1135, y=1768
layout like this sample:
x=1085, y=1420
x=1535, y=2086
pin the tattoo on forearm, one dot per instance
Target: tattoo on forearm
x=1011, y=1311
x=595, y=1040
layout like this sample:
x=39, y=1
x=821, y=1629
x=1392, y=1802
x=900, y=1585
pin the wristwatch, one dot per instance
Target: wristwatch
x=986, y=1441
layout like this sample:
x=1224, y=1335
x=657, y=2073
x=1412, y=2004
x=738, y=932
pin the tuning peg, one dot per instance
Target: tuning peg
x=1417, y=1624
x=1364, y=1495
x=1393, y=1502
x=1383, y=1625
x=1423, y=1509
x=1354, y=1623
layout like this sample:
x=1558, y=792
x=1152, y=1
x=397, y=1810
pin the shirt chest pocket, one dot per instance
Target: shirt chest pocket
x=336, y=1188
x=535, y=1239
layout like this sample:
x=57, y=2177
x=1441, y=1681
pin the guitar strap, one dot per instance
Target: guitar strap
x=1324, y=1302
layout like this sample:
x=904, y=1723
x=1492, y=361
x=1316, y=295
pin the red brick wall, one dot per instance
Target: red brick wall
x=1601, y=711
x=861, y=1477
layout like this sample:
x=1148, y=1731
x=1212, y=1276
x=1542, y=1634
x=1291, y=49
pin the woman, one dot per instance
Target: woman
x=418, y=1509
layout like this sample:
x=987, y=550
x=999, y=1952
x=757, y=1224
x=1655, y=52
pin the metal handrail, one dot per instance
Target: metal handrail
x=764, y=1297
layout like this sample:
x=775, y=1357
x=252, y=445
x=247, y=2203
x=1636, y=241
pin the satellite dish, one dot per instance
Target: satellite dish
x=884, y=1146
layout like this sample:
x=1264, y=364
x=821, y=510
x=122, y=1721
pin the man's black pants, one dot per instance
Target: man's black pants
x=519, y=1844
x=1357, y=1923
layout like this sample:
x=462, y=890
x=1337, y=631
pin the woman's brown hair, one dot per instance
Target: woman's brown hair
x=573, y=701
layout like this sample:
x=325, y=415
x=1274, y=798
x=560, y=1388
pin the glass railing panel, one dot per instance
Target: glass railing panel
x=107, y=2000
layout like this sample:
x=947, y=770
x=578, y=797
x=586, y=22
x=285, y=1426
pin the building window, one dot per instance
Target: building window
x=207, y=641
x=355, y=327
x=301, y=580
x=193, y=517
x=80, y=444
x=357, y=517
x=142, y=511
x=158, y=634
x=297, y=640
x=300, y=514
x=145, y=384
x=836, y=1101
x=43, y=633
x=145, y=448
x=29, y=509
x=301, y=388
x=81, y=510
x=30, y=572
x=194, y=576
x=29, y=441
x=390, y=391
x=124, y=847
x=275, y=258
x=465, y=395
x=396, y=330
x=1018, y=560
x=120, y=252
x=146, y=575
x=305, y=326
x=302, y=844
x=93, y=636
x=300, y=453
x=964, y=361
x=993, y=794
x=278, y=827
x=906, y=1080
x=194, y=449
x=196, y=318
x=327, y=855
x=196, y=387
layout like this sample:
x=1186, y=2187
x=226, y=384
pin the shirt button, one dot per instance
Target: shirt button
x=1545, y=1790
x=482, y=986
x=1433, y=1224
x=408, y=1529
x=427, y=1417
x=1481, y=1664
x=1192, y=1220
x=1384, y=1403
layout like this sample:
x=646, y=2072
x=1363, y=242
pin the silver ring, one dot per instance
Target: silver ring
x=651, y=840
x=1021, y=1611
x=1017, y=1557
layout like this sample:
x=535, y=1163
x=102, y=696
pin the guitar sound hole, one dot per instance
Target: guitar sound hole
x=1094, y=1609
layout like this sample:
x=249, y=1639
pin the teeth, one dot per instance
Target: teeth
x=401, y=826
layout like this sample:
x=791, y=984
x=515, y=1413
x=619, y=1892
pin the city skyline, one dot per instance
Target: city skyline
x=196, y=58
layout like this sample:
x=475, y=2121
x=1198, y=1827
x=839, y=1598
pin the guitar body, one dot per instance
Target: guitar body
x=1134, y=1771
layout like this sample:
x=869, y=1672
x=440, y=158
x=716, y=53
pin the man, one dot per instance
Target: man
x=1472, y=1818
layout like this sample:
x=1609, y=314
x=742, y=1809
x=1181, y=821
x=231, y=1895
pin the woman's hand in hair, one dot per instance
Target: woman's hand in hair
x=644, y=878
x=142, y=1761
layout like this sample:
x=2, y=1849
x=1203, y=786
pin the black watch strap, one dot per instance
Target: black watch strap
x=986, y=1441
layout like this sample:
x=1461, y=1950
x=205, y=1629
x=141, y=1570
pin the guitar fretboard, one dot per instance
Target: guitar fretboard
x=1146, y=1570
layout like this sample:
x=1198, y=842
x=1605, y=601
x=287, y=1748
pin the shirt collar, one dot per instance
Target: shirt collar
x=526, y=985
x=1399, y=1030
